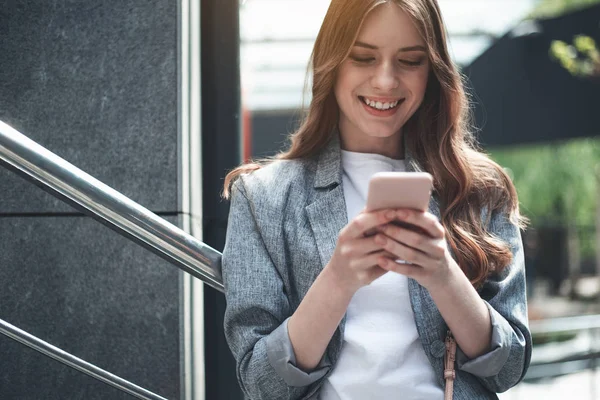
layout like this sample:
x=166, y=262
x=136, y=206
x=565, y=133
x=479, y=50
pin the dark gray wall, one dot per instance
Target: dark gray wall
x=96, y=83
x=221, y=153
x=76, y=284
x=271, y=129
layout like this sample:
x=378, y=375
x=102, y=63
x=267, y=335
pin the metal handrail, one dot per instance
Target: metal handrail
x=68, y=359
x=119, y=213
x=113, y=208
x=574, y=361
x=565, y=324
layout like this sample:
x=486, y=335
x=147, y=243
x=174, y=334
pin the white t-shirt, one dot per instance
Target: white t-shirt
x=382, y=356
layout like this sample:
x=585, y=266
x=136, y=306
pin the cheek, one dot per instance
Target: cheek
x=419, y=83
x=344, y=90
x=339, y=89
x=339, y=86
x=348, y=80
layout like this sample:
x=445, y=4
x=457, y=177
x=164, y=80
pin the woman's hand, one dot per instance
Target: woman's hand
x=355, y=258
x=426, y=256
x=433, y=267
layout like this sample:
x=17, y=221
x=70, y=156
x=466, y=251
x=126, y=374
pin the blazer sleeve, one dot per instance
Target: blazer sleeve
x=504, y=293
x=257, y=312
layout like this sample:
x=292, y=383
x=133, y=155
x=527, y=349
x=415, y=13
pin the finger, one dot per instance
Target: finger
x=375, y=273
x=434, y=248
x=424, y=220
x=367, y=221
x=402, y=252
x=356, y=248
x=409, y=270
x=367, y=261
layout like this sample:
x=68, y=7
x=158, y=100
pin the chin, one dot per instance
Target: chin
x=381, y=133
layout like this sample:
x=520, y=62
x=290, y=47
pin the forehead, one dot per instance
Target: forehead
x=388, y=25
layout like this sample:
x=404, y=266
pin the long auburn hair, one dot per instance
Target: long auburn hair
x=438, y=135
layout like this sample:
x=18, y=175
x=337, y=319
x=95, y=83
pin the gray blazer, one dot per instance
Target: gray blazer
x=283, y=227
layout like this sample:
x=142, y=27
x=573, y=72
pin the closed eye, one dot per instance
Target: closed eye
x=412, y=63
x=362, y=59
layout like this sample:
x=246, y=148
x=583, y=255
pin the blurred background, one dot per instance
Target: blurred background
x=532, y=68
x=158, y=99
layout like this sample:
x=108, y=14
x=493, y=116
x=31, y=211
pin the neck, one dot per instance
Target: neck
x=391, y=146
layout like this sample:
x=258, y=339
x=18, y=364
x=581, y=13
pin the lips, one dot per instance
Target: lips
x=380, y=103
x=381, y=112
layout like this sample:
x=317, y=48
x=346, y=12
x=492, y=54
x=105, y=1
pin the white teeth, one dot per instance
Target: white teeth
x=379, y=105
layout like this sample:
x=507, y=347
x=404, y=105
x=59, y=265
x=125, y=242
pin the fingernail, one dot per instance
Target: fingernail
x=401, y=214
x=390, y=214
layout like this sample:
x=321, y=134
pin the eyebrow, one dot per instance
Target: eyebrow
x=409, y=48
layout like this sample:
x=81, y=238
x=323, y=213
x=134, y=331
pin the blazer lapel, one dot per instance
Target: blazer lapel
x=327, y=216
x=327, y=212
x=426, y=313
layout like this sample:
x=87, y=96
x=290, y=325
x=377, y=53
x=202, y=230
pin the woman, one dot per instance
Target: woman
x=318, y=309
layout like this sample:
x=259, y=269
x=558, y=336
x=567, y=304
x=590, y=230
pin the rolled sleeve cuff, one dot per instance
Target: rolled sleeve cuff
x=490, y=363
x=283, y=360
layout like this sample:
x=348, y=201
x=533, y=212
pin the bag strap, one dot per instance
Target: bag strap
x=449, y=373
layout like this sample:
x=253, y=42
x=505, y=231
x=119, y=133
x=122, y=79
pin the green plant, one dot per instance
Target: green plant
x=543, y=338
x=556, y=183
x=553, y=8
x=581, y=58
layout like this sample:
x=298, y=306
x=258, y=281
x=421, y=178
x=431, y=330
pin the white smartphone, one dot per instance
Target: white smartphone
x=400, y=190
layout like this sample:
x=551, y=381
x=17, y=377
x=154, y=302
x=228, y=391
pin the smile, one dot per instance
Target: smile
x=379, y=105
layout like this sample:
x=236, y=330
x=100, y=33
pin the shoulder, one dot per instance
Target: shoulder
x=276, y=178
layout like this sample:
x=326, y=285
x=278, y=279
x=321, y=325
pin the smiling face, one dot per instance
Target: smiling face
x=382, y=82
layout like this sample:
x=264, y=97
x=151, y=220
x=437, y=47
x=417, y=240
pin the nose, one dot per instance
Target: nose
x=385, y=77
